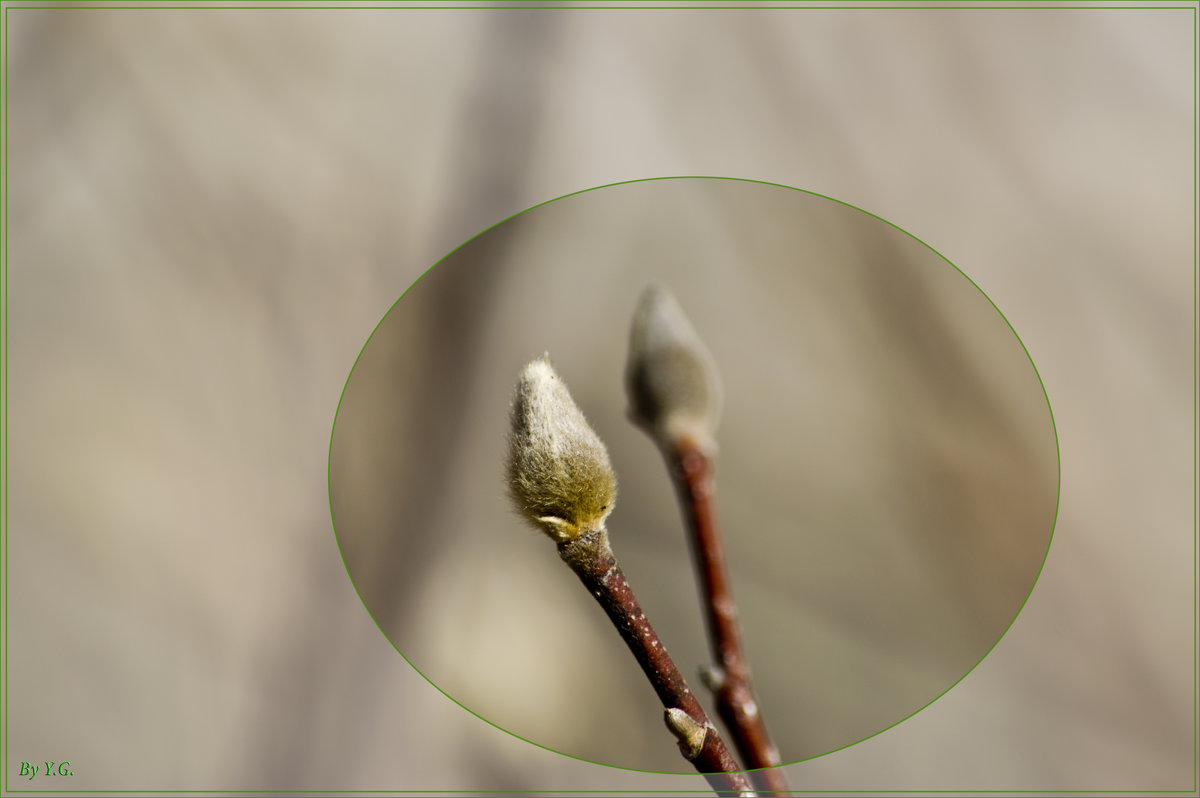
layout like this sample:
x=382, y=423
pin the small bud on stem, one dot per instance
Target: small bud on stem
x=690, y=734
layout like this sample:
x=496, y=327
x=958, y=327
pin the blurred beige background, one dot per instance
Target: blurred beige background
x=209, y=211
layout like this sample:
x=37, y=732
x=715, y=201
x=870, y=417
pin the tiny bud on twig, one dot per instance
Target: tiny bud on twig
x=671, y=377
x=713, y=677
x=689, y=733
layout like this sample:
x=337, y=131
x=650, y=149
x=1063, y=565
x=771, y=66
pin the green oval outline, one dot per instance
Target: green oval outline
x=1045, y=394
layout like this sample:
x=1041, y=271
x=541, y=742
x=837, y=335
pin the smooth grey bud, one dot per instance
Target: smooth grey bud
x=670, y=377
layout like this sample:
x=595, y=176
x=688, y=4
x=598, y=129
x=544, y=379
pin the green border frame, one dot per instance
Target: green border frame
x=389, y=5
x=664, y=5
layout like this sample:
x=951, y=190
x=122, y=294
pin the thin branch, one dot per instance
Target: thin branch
x=692, y=472
x=675, y=396
x=562, y=481
x=592, y=560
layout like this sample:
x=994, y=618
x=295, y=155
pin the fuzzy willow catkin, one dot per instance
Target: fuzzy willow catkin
x=559, y=473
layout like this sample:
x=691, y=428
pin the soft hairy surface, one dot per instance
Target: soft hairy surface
x=559, y=473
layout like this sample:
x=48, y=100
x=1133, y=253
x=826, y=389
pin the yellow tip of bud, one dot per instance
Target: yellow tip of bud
x=670, y=377
x=559, y=474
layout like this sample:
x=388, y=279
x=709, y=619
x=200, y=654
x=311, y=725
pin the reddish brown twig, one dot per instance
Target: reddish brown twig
x=592, y=560
x=692, y=472
x=675, y=396
x=562, y=481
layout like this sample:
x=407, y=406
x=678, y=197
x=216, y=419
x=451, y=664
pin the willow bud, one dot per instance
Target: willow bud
x=688, y=732
x=670, y=377
x=559, y=474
